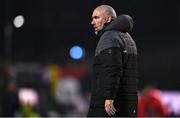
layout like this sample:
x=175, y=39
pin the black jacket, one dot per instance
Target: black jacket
x=115, y=67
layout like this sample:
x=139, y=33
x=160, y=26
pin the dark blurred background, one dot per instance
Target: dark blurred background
x=52, y=27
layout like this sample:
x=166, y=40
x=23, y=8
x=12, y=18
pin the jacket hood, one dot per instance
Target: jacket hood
x=123, y=23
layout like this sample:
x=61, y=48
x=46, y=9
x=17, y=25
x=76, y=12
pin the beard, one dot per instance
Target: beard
x=96, y=30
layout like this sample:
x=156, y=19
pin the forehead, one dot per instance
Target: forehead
x=97, y=12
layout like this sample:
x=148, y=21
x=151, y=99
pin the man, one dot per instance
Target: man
x=114, y=87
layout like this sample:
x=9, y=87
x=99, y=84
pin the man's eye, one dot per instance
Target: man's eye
x=96, y=17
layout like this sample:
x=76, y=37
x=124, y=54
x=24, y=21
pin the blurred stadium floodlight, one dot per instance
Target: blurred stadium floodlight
x=77, y=52
x=18, y=21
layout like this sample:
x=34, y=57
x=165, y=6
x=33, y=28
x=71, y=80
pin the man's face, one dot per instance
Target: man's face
x=98, y=20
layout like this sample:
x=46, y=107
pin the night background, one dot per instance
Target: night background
x=52, y=27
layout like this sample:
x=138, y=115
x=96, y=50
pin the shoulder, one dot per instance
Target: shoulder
x=109, y=39
x=110, y=34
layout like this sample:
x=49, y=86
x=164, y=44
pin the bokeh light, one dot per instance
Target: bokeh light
x=77, y=52
x=18, y=21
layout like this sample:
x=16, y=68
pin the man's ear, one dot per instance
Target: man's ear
x=109, y=19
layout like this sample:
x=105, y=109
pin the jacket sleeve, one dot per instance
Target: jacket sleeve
x=111, y=59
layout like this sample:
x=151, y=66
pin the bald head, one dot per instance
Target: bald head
x=102, y=15
x=107, y=10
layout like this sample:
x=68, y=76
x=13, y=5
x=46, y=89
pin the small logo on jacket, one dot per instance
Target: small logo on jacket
x=125, y=51
x=109, y=51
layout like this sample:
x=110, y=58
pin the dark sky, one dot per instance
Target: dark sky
x=53, y=26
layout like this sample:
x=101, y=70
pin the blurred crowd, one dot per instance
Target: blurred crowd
x=36, y=90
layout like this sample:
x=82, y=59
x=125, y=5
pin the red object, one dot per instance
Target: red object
x=76, y=72
x=151, y=105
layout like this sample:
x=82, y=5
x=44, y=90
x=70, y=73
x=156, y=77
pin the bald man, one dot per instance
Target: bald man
x=114, y=85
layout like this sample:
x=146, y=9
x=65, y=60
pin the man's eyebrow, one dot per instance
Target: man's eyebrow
x=95, y=16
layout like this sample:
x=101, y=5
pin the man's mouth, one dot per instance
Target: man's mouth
x=95, y=28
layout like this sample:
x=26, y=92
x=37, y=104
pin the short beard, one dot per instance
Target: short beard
x=96, y=31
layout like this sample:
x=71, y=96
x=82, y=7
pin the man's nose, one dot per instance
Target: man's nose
x=92, y=22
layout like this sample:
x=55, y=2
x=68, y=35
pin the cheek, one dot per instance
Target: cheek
x=100, y=23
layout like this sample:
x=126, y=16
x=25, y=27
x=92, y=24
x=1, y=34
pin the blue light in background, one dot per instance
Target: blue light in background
x=77, y=52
